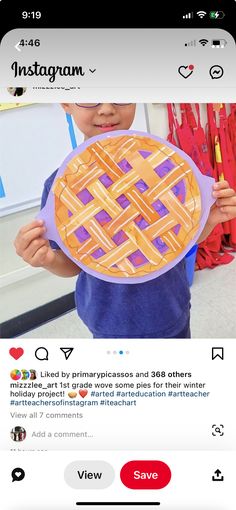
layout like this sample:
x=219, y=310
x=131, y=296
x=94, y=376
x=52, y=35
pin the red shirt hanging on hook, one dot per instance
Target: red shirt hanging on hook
x=190, y=136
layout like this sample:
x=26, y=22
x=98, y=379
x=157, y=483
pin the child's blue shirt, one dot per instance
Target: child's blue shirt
x=158, y=308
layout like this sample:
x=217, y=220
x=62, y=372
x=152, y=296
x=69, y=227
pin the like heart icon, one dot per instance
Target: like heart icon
x=186, y=71
x=83, y=393
x=16, y=352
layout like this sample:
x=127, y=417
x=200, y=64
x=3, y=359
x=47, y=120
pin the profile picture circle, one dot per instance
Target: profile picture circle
x=16, y=91
x=18, y=434
x=33, y=374
x=15, y=375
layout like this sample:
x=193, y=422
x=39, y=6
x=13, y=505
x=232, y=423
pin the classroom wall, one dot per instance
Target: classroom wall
x=34, y=140
x=24, y=288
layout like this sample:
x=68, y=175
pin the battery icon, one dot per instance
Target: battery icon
x=218, y=43
x=217, y=14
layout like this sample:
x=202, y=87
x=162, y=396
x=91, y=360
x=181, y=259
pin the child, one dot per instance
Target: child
x=159, y=308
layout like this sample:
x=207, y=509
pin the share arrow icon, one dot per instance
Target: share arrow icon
x=67, y=351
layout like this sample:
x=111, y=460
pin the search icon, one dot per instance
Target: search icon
x=41, y=354
x=218, y=429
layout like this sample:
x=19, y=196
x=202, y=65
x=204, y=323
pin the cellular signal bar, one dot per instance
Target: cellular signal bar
x=189, y=15
x=191, y=43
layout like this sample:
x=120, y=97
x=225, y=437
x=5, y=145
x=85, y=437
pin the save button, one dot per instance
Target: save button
x=145, y=474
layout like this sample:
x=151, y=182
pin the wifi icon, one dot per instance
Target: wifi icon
x=201, y=14
x=203, y=42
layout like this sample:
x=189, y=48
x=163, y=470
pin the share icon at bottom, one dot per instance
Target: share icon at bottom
x=67, y=351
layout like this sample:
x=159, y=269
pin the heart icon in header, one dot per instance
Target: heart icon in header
x=186, y=71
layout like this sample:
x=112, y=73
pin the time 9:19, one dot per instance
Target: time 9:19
x=31, y=15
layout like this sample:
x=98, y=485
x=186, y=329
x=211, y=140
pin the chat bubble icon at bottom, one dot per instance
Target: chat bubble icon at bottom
x=18, y=474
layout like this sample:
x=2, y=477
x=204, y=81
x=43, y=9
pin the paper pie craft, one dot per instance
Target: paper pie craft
x=126, y=206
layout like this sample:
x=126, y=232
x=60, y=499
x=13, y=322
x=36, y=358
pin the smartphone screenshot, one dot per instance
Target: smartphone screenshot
x=118, y=241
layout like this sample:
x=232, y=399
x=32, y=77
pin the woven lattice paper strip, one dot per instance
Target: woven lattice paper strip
x=127, y=206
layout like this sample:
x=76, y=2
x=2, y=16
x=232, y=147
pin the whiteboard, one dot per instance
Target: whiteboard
x=34, y=141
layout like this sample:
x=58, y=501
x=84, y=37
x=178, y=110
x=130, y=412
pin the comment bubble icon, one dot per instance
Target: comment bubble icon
x=18, y=474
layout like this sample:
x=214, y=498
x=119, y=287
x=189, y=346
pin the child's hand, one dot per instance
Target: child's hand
x=224, y=209
x=32, y=247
